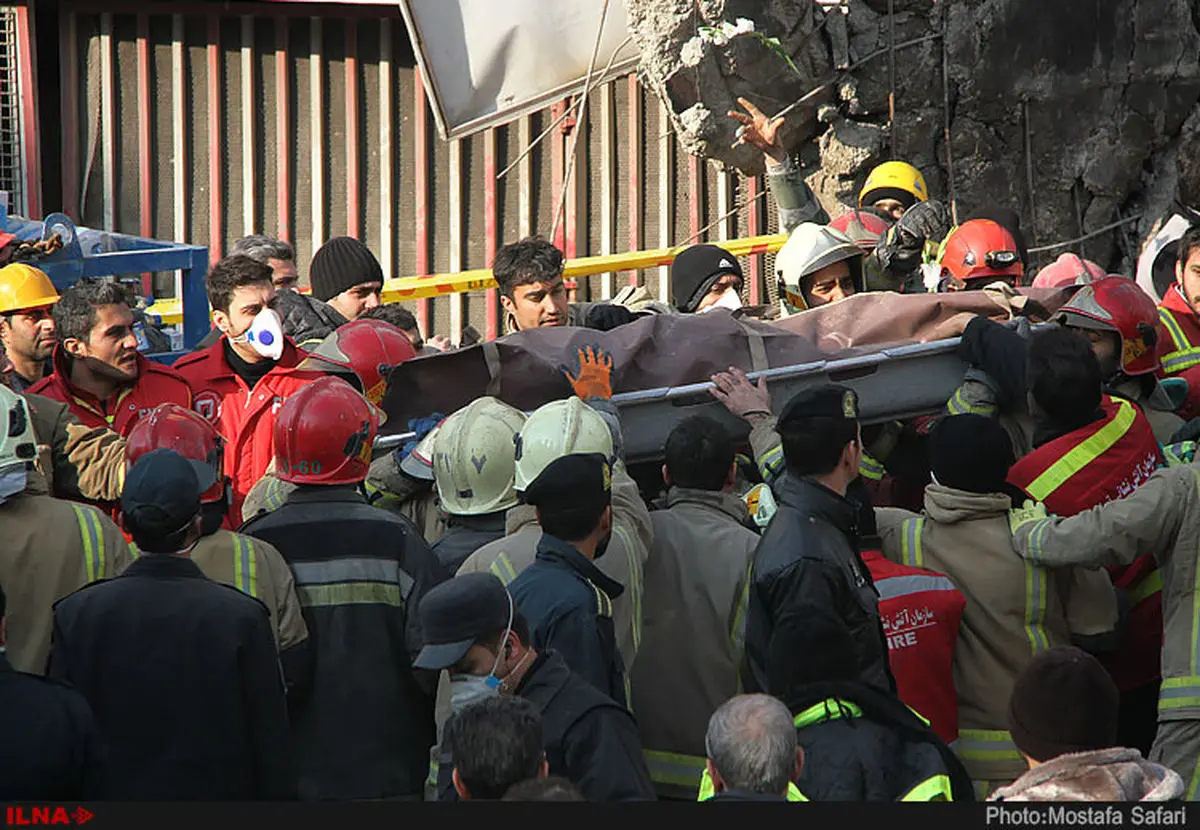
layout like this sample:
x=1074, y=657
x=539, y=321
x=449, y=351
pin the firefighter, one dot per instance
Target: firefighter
x=1162, y=518
x=250, y=565
x=817, y=266
x=241, y=381
x=693, y=623
x=473, y=468
x=403, y=482
x=280, y=256
x=181, y=672
x=50, y=547
x=860, y=742
x=808, y=555
x=1013, y=609
x=1068, y=269
x=363, y=353
x=472, y=630
x=52, y=748
x=360, y=572
x=1178, y=314
x=751, y=751
x=572, y=426
x=976, y=253
x=98, y=371
x=26, y=323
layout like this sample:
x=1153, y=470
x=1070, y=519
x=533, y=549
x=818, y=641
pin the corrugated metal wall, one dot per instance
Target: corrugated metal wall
x=305, y=122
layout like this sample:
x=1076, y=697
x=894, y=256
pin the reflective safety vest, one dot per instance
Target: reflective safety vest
x=1107, y=460
x=920, y=611
x=1183, y=327
x=707, y=790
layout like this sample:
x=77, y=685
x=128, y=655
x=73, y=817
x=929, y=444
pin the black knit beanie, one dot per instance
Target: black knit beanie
x=694, y=271
x=1064, y=701
x=971, y=453
x=342, y=263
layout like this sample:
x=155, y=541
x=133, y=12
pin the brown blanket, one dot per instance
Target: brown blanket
x=660, y=350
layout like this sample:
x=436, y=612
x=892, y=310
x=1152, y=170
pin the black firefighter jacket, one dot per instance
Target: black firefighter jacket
x=567, y=602
x=52, y=749
x=183, y=678
x=464, y=535
x=808, y=556
x=589, y=738
x=366, y=728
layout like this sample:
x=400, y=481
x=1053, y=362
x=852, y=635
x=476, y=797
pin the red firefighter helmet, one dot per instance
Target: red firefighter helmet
x=372, y=348
x=865, y=227
x=174, y=427
x=1068, y=269
x=980, y=250
x=1117, y=304
x=324, y=434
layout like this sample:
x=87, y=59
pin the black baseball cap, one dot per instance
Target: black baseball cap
x=578, y=481
x=828, y=400
x=162, y=491
x=456, y=614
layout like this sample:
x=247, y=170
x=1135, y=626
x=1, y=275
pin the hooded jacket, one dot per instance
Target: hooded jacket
x=306, y=319
x=1118, y=774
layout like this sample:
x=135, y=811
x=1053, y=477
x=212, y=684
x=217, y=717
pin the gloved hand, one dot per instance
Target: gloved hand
x=607, y=316
x=421, y=427
x=1031, y=511
x=901, y=249
x=592, y=375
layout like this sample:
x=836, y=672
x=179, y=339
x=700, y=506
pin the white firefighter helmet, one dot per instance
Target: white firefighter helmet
x=808, y=249
x=559, y=428
x=473, y=459
x=18, y=446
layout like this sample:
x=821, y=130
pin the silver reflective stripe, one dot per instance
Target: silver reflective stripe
x=898, y=586
x=352, y=570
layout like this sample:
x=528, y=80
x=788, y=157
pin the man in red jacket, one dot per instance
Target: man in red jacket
x=98, y=372
x=241, y=380
x=1177, y=311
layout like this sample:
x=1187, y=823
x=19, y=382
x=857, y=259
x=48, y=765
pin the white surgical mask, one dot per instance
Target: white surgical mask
x=265, y=334
x=730, y=300
x=466, y=689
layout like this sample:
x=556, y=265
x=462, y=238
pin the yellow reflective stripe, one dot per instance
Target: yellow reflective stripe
x=273, y=498
x=635, y=583
x=910, y=541
x=1085, y=453
x=1185, y=355
x=133, y=551
x=1144, y=588
x=1172, y=326
x=603, y=603
x=771, y=464
x=1035, y=607
x=245, y=565
x=1179, y=693
x=959, y=405
x=985, y=745
x=828, y=709
x=707, y=791
x=868, y=467
x=434, y=769
x=350, y=593
x=1195, y=783
x=503, y=568
x=91, y=545
x=936, y=788
x=737, y=634
x=673, y=768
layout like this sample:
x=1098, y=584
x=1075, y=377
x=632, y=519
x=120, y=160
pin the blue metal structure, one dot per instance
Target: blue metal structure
x=91, y=253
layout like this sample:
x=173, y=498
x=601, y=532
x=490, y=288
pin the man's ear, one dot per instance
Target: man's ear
x=666, y=475
x=799, y=764
x=543, y=770
x=459, y=787
x=731, y=477
x=221, y=321
x=74, y=347
x=507, y=304
x=1179, y=272
x=718, y=782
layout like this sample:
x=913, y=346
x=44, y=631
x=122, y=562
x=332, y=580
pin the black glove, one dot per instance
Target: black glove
x=606, y=316
x=901, y=248
x=1188, y=432
x=1000, y=352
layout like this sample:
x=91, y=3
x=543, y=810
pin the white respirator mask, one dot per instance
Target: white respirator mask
x=265, y=334
x=730, y=300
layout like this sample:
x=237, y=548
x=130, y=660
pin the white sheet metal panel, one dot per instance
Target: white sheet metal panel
x=484, y=63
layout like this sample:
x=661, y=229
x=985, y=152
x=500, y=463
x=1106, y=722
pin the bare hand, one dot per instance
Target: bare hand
x=740, y=396
x=440, y=342
x=758, y=130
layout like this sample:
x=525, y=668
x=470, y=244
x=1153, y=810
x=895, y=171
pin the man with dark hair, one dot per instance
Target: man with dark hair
x=26, y=323
x=964, y=534
x=693, y=617
x=1063, y=717
x=406, y=321
x=279, y=255
x=704, y=277
x=808, y=555
x=471, y=628
x=98, y=372
x=547, y=788
x=52, y=749
x=347, y=276
x=241, y=380
x=495, y=743
x=564, y=596
x=1178, y=312
x=1064, y=379
x=863, y=743
x=192, y=702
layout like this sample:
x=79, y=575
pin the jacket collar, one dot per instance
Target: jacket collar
x=162, y=565
x=564, y=555
x=288, y=361
x=324, y=493
x=725, y=503
x=518, y=518
x=1174, y=301
x=549, y=670
x=488, y=522
x=809, y=496
x=62, y=375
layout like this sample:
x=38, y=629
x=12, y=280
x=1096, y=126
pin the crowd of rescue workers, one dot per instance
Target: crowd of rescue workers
x=213, y=587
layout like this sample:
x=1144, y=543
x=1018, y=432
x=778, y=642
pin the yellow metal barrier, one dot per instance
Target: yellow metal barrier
x=437, y=285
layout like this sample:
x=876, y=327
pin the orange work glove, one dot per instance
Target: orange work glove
x=592, y=375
